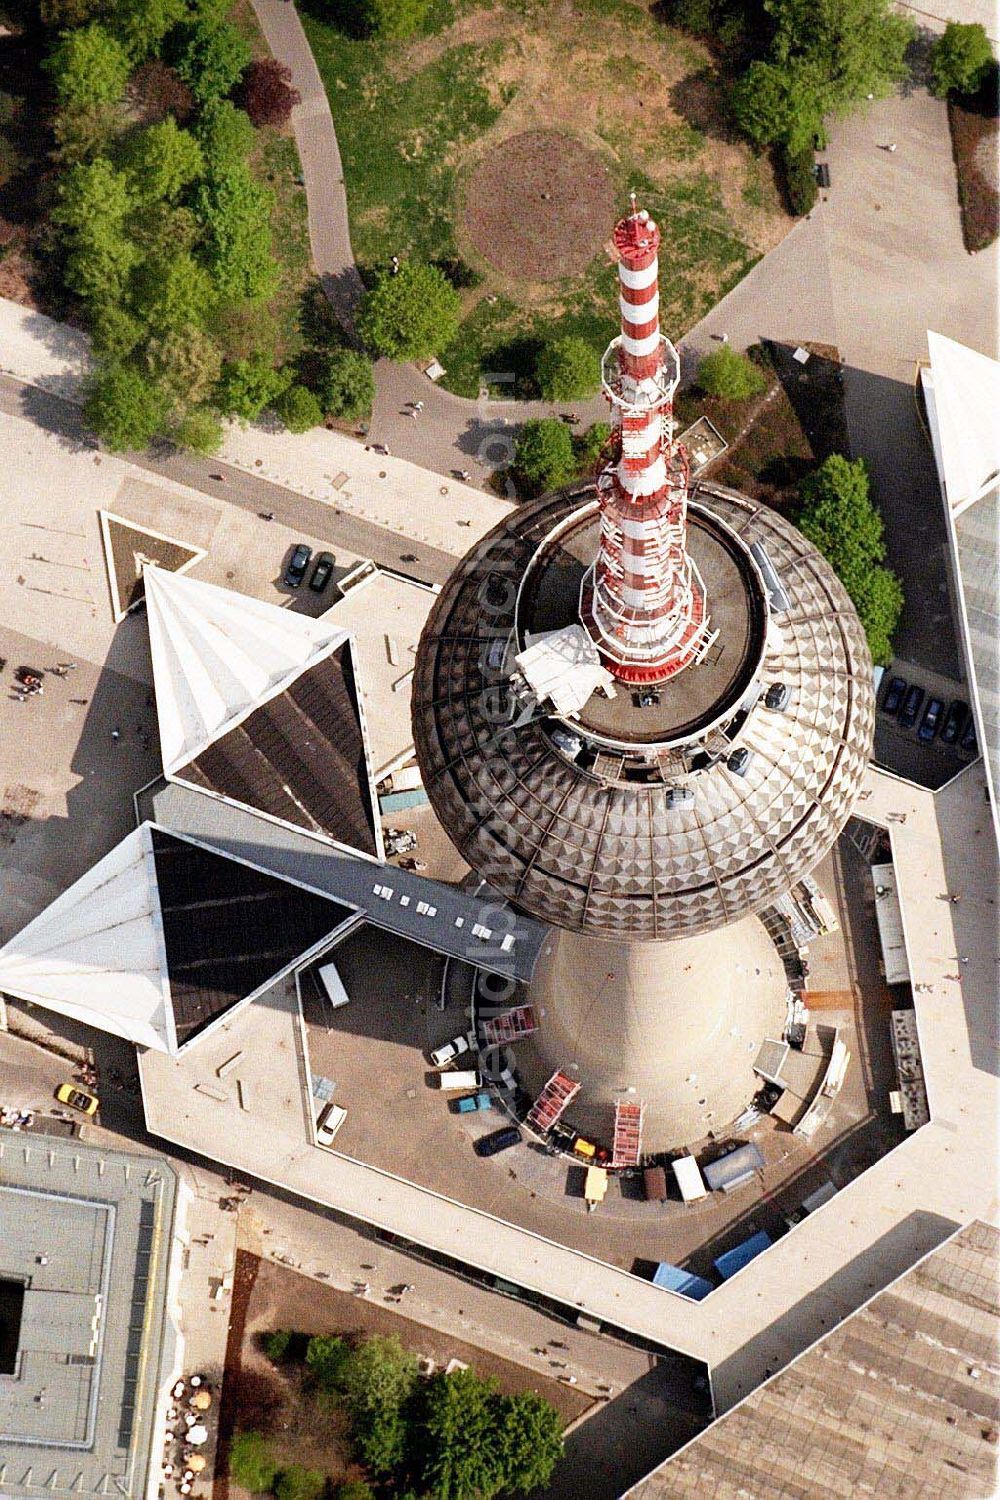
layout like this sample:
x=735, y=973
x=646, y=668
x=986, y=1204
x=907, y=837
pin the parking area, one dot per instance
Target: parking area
x=372, y=1058
x=914, y=739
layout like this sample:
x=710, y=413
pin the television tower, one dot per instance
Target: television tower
x=643, y=712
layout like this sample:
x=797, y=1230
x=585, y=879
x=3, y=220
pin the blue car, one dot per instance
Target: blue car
x=930, y=721
x=297, y=565
x=892, y=702
x=471, y=1102
x=911, y=707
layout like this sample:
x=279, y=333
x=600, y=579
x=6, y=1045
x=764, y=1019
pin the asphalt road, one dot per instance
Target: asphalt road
x=298, y=512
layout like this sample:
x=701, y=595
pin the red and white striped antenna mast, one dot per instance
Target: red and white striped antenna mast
x=643, y=601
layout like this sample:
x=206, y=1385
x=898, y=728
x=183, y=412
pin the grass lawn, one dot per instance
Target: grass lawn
x=455, y=145
x=975, y=143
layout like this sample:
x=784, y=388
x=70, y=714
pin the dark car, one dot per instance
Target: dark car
x=954, y=723
x=930, y=721
x=297, y=565
x=911, y=707
x=322, y=572
x=777, y=697
x=497, y=1140
x=739, y=761
x=892, y=702
x=968, y=741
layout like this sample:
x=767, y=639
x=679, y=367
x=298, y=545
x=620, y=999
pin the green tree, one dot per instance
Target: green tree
x=113, y=329
x=394, y=18
x=858, y=47
x=200, y=430
x=729, y=375
x=778, y=102
x=235, y=211
x=123, y=407
x=86, y=132
x=838, y=516
x=345, y=384
x=800, y=179
x=245, y=388
x=590, y=445
x=277, y=1344
x=162, y=229
x=409, y=315
x=529, y=1441
x=567, y=369
x=461, y=1456
x=354, y=1489
x=185, y=363
x=162, y=161
x=62, y=15
x=210, y=57
x=225, y=135
x=377, y=1380
x=544, y=454
x=326, y=1357
x=298, y=409
x=172, y=291
x=89, y=66
x=143, y=24
x=94, y=204
x=297, y=1483
x=251, y=1463
x=960, y=58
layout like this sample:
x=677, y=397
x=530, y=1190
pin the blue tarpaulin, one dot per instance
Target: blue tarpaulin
x=734, y=1260
x=676, y=1280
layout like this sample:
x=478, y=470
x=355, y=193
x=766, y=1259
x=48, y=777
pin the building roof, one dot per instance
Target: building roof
x=902, y=1399
x=602, y=847
x=128, y=548
x=261, y=706
x=86, y=1234
x=162, y=937
x=963, y=398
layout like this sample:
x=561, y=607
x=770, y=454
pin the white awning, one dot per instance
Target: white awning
x=218, y=655
x=564, y=667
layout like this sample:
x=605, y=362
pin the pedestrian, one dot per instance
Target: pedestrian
x=394, y=265
x=464, y=475
x=955, y=900
x=418, y=406
x=116, y=735
x=266, y=515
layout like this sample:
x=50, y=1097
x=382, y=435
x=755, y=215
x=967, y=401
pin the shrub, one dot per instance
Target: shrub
x=235, y=210
x=729, y=375
x=86, y=132
x=211, y=55
x=225, y=136
x=345, y=384
x=201, y=431
x=162, y=160
x=267, y=94
x=299, y=410
x=185, y=363
x=89, y=66
x=251, y=1463
x=544, y=454
x=94, y=203
x=157, y=91
x=277, y=1344
x=960, y=59
x=393, y=18
x=143, y=24
x=171, y=291
x=326, y=1356
x=800, y=179
x=246, y=387
x=411, y=314
x=567, y=369
x=354, y=1489
x=297, y=1483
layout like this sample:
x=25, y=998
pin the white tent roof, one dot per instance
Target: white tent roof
x=218, y=655
x=564, y=666
x=963, y=409
x=97, y=952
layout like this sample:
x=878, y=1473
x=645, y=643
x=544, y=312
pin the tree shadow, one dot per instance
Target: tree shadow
x=701, y=100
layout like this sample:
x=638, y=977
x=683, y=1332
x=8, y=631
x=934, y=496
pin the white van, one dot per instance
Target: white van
x=689, y=1179
x=333, y=986
x=329, y=1122
x=460, y=1078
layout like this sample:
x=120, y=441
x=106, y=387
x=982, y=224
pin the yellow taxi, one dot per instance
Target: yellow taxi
x=77, y=1098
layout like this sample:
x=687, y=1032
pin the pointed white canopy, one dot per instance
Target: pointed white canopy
x=963, y=403
x=97, y=952
x=218, y=655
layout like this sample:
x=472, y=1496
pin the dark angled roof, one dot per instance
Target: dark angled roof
x=127, y=547
x=299, y=757
x=228, y=928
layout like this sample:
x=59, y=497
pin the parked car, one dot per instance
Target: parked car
x=76, y=1098
x=322, y=572
x=329, y=1123
x=473, y=1102
x=447, y=1053
x=778, y=697
x=497, y=1140
x=894, y=694
x=297, y=565
x=911, y=707
x=930, y=721
x=968, y=741
x=739, y=761
x=954, y=722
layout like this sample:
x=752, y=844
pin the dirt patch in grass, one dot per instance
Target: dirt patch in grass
x=538, y=206
x=975, y=144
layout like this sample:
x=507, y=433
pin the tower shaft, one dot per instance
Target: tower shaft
x=644, y=602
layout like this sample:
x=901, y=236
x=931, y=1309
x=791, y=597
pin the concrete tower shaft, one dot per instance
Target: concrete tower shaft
x=644, y=601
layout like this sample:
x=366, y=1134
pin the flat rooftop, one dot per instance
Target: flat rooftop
x=86, y=1234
